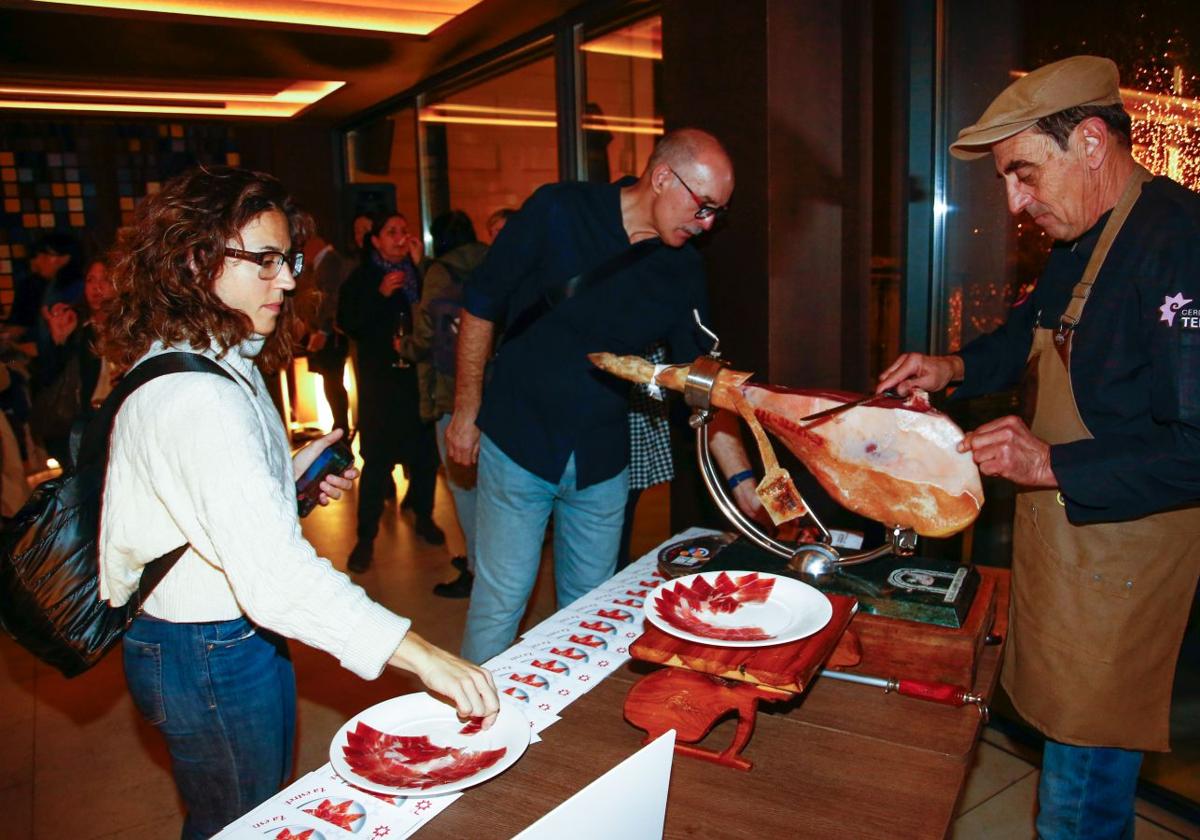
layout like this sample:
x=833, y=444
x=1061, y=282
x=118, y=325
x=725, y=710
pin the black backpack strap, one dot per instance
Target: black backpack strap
x=618, y=262
x=576, y=285
x=154, y=571
x=95, y=447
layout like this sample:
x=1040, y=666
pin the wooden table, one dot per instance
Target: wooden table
x=843, y=760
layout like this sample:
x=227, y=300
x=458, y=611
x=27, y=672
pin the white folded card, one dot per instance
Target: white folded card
x=639, y=784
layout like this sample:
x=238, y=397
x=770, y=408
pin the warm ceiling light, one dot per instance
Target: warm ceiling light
x=605, y=118
x=284, y=103
x=639, y=40
x=616, y=128
x=534, y=118
x=531, y=123
x=404, y=17
x=453, y=108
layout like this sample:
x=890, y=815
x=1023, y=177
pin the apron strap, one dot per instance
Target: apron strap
x=1079, y=296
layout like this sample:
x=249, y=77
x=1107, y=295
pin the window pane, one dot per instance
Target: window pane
x=623, y=116
x=990, y=255
x=382, y=167
x=490, y=145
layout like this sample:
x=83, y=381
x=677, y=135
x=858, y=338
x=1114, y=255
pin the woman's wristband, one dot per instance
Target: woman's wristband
x=737, y=478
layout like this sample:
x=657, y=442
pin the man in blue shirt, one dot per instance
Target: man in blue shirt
x=1105, y=555
x=554, y=430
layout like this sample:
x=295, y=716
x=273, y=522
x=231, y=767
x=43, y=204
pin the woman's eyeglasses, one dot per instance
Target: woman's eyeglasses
x=270, y=263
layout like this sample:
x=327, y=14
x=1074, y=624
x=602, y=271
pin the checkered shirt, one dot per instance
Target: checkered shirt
x=649, y=433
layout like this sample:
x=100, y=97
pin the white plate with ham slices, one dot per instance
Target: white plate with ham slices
x=415, y=745
x=738, y=609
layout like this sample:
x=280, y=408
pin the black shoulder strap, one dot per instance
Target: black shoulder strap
x=577, y=284
x=94, y=448
x=96, y=440
x=614, y=264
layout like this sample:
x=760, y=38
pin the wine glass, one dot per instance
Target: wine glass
x=402, y=329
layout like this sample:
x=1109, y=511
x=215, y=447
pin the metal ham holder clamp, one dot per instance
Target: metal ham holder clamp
x=813, y=560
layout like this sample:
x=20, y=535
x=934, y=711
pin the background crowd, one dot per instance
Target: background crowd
x=381, y=304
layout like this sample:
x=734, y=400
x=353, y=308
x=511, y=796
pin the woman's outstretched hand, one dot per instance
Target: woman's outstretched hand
x=469, y=687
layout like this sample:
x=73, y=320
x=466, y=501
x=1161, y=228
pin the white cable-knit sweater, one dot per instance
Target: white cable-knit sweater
x=198, y=458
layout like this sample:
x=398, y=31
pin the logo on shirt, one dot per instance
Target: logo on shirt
x=1170, y=308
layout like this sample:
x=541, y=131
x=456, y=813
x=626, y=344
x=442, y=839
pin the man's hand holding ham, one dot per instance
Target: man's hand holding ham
x=1008, y=449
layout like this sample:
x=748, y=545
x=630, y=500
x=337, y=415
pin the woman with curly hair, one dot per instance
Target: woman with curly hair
x=204, y=459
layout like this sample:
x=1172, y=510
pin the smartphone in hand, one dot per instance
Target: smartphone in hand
x=336, y=459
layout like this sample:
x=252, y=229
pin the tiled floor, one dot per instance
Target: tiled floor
x=1001, y=794
x=77, y=762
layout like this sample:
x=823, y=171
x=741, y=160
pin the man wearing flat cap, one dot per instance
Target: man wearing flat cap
x=1106, y=543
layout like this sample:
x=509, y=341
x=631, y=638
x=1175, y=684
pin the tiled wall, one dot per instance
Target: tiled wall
x=147, y=155
x=86, y=178
x=45, y=188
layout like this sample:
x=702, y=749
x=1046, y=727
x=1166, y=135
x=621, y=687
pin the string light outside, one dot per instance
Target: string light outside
x=1166, y=140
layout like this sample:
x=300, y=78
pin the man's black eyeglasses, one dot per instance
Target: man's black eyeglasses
x=270, y=263
x=703, y=211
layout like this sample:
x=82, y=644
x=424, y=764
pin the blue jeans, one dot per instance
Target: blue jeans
x=464, y=497
x=224, y=696
x=1087, y=793
x=512, y=508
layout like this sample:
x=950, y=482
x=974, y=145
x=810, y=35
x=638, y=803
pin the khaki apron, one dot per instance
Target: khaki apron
x=1098, y=612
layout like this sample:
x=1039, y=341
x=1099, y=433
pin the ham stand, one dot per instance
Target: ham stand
x=702, y=683
x=901, y=585
x=814, y=560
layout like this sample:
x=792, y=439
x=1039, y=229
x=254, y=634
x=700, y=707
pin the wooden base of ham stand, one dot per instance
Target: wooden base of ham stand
x=704, y=683
x=691, y=703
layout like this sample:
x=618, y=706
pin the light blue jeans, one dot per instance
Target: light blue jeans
x=464, y=497
x=223, y=694
x=1087, y=793
x=512, y=508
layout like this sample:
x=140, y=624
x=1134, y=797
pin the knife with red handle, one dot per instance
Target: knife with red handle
x=935, y=692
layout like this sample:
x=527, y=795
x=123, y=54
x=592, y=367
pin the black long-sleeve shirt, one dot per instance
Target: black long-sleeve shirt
x=369, y=318
x=1135, y=360
x=545, y=400
x=52, y=363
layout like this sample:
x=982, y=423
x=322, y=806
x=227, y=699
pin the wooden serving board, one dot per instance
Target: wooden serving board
x=788, y=667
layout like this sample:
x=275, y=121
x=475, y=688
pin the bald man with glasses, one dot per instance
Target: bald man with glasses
x=580, y=268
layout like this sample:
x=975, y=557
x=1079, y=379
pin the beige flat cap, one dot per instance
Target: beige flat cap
x=1070, y=83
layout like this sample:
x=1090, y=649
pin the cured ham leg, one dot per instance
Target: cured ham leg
x=894, y=461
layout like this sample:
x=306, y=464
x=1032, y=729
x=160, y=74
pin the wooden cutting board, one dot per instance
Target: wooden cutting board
x=788, y=667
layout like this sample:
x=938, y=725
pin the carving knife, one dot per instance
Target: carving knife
x=838, y=409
